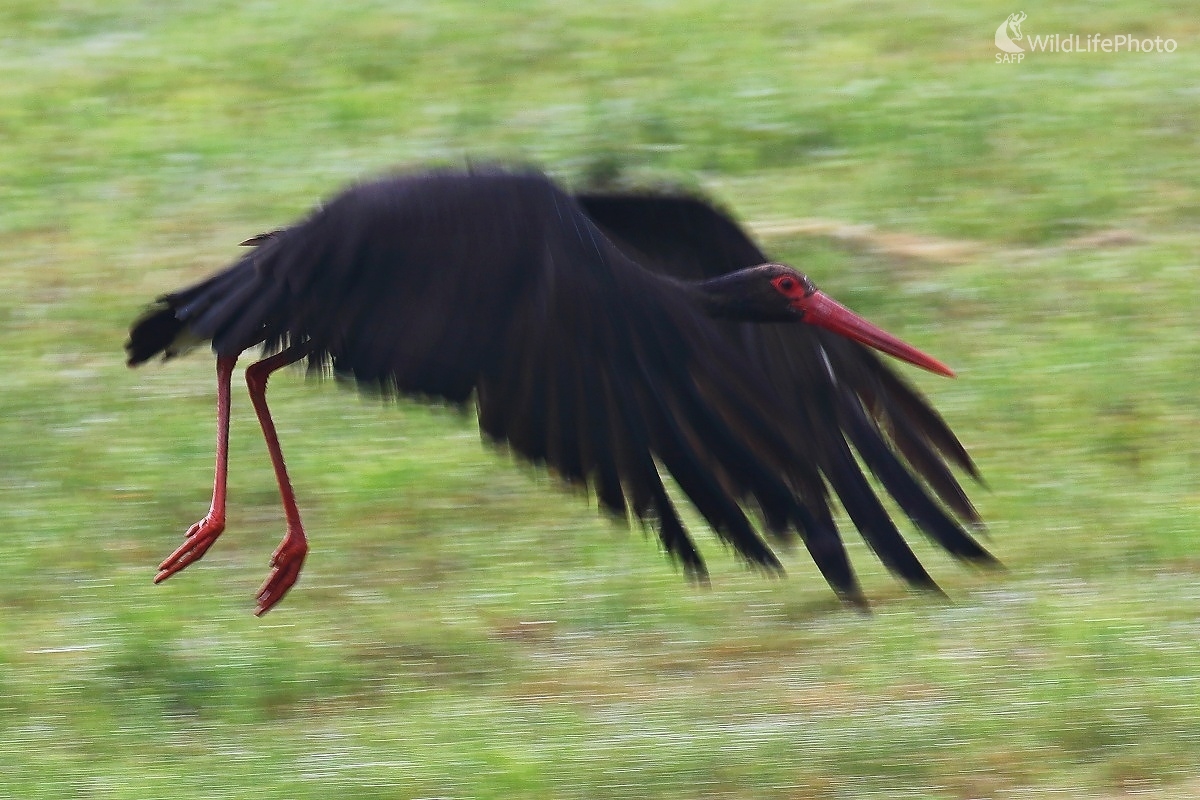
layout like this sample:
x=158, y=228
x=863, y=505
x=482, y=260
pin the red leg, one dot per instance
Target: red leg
x=289, y=556
x=201, y=536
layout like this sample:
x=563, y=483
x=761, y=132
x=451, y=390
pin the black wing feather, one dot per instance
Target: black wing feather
x=838, y=388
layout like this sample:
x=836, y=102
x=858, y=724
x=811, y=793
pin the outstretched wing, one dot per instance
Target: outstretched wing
x=609, y=372
x=848, y=399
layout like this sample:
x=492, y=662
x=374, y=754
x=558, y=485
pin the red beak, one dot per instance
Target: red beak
x=823, y=311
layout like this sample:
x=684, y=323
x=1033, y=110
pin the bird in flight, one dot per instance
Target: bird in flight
x=613, y=337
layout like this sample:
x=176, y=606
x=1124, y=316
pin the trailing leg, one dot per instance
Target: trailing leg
x=201, y=536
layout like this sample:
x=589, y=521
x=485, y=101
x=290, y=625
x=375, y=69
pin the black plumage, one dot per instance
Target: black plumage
x=609, y=336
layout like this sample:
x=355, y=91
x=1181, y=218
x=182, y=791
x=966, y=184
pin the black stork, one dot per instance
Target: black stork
x=609, y=336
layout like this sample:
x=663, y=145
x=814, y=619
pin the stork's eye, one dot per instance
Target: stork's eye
x=786, y=284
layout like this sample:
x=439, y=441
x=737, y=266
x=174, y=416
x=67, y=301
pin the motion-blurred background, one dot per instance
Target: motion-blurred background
x=463, y=627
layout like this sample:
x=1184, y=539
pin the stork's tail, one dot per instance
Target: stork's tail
x=156, y=331
x=229, y=305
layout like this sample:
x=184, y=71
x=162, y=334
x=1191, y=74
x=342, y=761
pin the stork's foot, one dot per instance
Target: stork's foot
x=286, y=562
x=197, y=540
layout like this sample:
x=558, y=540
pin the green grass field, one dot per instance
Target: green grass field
x=465, y=629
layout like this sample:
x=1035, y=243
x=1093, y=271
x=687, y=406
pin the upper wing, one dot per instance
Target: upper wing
x=846, y=396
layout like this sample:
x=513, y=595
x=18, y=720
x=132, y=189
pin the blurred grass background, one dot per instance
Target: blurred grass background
x=463, y=628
